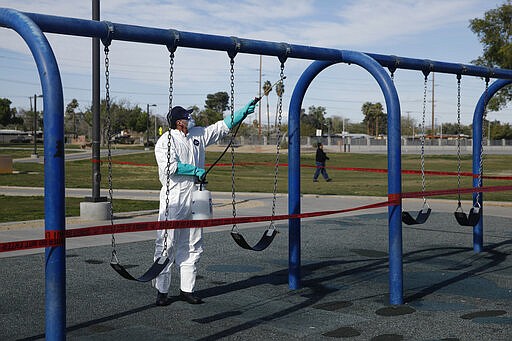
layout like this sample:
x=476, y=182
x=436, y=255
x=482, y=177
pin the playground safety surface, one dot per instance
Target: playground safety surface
x=451, y=293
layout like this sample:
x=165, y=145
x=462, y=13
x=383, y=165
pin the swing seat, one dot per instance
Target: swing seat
x=261, y=245
x=470, y=219
x=421, y=217
x=155, y=269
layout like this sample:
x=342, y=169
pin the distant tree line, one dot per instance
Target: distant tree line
x=125, y=117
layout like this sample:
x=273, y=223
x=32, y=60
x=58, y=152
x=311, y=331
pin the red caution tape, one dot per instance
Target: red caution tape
x=394, y=199
x=355, y=169
x=456, y=191
x=57, y=238
x=52, y=238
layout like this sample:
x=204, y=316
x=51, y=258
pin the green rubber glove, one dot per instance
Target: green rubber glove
x=240, y=114
x=188, y=169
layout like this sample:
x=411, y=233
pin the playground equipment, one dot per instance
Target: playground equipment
x=425, y=210
x=161, y=262
x=472, y=218
x=270, y=233
x=30, y=27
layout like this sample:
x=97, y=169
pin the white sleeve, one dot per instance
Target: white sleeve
x=215, y=132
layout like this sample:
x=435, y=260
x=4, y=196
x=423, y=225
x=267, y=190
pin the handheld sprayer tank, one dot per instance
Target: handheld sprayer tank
x=201, y=202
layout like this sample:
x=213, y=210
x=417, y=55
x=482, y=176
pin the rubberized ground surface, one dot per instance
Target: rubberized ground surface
x=451, y=293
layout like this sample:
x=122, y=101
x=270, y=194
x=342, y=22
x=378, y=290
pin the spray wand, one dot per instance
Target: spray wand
x=266, y=92
x=254, y=101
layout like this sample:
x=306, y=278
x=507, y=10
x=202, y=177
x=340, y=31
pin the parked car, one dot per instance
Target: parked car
x=21, y=139
x=124, y=139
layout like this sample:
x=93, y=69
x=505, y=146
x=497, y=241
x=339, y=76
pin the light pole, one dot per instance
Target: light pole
x=34, y=155
x=155, y=129
x=147, y=123
x=489, y=132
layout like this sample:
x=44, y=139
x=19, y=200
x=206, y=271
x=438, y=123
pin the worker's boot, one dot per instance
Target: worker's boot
x=162, y=299
x=190, y=297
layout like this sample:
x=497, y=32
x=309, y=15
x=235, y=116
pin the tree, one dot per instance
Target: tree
x=317, y=116
x=313, y=120
x=136, y=119
x=499, y=131
x=8, y=115
x=70, y=116
x=495, y=33
x=374, y=118
x=122, y=117
x=408, y=126
x=358, y=128
x=454, y=129
x=217, y=101
x=340, y=124
x=207, y=117
x=214, y=107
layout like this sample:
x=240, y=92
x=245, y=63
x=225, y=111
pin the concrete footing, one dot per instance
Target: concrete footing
x=95, y=210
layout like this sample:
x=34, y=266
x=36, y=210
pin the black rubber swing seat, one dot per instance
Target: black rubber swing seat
x=471, y=219
x=261, y=245
x=421, y=217
x=155, y=269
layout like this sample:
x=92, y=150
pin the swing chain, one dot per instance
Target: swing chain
x=232, y=110
x=458, y=141
x=168, y=169
x=171, y=79
x=481, y=165
x=422, y=155
x=108, y=123
x=280, y=91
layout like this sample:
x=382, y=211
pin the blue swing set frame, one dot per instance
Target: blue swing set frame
x=30, y=26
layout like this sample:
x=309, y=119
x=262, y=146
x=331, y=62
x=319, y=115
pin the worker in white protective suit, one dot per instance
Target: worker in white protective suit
x=186, y=164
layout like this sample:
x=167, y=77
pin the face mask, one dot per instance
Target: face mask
x=191, y=123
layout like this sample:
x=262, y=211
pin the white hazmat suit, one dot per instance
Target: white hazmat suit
x=184, y=246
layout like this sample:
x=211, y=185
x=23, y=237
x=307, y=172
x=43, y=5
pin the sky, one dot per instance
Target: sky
x=425, y=29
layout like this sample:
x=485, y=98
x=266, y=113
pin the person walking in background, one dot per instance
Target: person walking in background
x=321, y=157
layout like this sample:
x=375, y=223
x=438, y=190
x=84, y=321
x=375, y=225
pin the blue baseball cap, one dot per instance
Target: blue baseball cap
x=178, y=113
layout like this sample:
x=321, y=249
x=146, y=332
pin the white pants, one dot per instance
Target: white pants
x=184, y=247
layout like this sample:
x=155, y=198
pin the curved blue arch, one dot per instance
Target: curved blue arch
x=478, y=230
x=54, y=193
x=394, y=167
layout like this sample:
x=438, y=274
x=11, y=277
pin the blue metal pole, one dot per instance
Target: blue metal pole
x=294, y=240
x=394, y=170
x=394, y=167
x=55, y=281
x=478, y=229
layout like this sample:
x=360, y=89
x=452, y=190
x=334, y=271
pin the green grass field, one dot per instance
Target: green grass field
x=258, y=176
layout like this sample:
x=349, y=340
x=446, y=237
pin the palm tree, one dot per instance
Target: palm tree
x=267, y=87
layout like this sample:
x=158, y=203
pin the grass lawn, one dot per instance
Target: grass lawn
x=255, y=173
x=31, y=208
